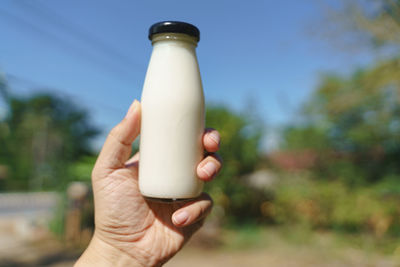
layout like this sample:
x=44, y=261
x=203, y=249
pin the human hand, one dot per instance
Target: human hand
x=131, y=231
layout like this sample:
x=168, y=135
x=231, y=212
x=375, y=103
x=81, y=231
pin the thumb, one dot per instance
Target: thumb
x=118, y=145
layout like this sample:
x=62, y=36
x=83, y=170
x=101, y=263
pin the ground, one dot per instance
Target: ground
x=267, y=247
x=24, y=242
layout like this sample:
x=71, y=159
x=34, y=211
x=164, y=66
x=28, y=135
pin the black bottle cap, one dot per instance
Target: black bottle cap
x=176, y=27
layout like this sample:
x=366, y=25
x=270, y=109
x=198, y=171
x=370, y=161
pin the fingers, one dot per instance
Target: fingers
x=211, y=140
x=209, y=167
x=118, y=145
x=193, y=212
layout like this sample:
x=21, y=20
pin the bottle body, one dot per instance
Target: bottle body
x=172, y=123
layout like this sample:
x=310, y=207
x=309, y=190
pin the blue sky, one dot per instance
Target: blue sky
x=264, y=54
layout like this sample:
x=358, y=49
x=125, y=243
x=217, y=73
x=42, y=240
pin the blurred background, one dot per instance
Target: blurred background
x=305, y=94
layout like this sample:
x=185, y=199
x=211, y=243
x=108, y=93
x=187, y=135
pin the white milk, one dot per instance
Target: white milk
x=172, y=120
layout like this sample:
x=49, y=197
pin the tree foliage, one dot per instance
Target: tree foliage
x=241, y=135
x=379, y=21
x=353, y=122
x=40, y=137
x=363, y=25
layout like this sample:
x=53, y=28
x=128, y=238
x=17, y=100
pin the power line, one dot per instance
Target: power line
x=77, y=31
x=61, y=43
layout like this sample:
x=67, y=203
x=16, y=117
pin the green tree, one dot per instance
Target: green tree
x=353, y=122
x=377, y=21
x=241, y=135
x=363, y=26
x=43, y=135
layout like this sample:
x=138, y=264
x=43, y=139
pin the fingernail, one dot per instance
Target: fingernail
x=210, y=168
x=215, y=137
x=132, y=109
x=181, y=217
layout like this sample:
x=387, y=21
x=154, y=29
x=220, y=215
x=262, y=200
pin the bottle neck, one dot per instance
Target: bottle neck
x=174, y=38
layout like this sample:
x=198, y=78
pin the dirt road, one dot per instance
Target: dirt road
x=276, y=258
x=195, y=257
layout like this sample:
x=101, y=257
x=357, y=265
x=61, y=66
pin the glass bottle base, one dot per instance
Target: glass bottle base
x=168, y=200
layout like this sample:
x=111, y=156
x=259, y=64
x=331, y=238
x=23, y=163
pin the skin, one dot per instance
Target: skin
x=131, y=231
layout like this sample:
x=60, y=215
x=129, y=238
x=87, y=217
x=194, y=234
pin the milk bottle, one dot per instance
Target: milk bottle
x=172, y=115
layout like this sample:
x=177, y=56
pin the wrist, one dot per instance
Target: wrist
x=100, y=253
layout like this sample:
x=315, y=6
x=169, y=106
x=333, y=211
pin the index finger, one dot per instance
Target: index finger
x=193, y=211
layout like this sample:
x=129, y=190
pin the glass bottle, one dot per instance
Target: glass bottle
x=172, y=122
